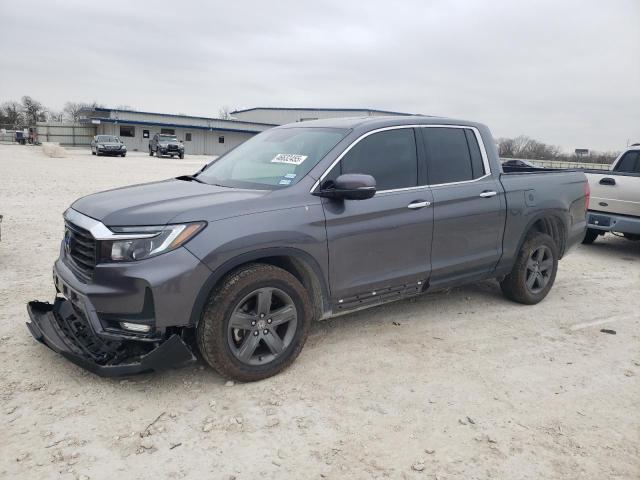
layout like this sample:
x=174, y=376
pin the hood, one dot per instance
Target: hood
x=110, y=144
x=159, y=202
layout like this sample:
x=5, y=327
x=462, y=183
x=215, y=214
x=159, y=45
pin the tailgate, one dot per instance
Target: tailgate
x=615, y=193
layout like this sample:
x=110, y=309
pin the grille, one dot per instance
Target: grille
x=173, y=147
x=80, y=247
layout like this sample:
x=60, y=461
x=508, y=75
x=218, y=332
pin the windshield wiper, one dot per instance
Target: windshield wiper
x=190, y=178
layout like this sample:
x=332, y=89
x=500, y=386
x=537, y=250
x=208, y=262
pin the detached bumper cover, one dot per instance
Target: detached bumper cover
x=64, y=331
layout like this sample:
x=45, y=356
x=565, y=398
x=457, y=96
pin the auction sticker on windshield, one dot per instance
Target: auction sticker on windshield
x=289, y=158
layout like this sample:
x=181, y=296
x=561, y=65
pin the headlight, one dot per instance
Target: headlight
x=123, y=147
x=154, y=241
x=100, y=146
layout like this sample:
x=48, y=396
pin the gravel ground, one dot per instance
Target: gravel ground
x=458, y=384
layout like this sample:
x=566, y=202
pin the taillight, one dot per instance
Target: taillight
x=587, y=195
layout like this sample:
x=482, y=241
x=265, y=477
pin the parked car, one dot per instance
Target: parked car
x=162, y=144
x=615, y=200
x=518, y=163
x=301, y=222
x=108, y=145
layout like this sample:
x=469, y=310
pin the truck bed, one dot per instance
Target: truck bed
x=531, y=192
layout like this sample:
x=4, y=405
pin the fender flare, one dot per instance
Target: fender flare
x=560, y=215
x=226, y=267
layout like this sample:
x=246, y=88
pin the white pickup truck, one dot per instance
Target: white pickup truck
x=615, y=198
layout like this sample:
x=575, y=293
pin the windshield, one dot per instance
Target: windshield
x=167, y=138
x=274, y=159
x=107, y=139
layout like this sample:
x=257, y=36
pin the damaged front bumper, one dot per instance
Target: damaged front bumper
x=64, y=330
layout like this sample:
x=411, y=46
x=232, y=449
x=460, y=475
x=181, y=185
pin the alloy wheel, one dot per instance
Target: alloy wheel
x=262, y=326
x=539, y=269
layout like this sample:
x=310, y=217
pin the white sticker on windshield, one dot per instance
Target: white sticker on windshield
x=284, y=182
x=289, y=158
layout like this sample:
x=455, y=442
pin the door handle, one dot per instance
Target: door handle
x=418, y=204
x=607, y=181
x=488, y=193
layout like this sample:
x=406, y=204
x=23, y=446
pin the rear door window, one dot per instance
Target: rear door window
x=629, y=163
x=389, y=156
x=448, y=155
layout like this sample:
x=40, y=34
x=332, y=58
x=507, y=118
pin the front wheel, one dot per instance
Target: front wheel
x=590, y=236
x=182, y=155
x=534, y=272
x=255, y=323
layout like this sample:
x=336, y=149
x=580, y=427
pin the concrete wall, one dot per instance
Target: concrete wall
x=65, y=133
x=203, y=142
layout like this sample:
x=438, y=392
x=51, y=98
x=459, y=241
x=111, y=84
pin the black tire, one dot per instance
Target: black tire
x=215, y=335
x=181, y=155
x=590, y=236
x=123, y=155
x=92, y=152
x=150, y=151
x=517, y=286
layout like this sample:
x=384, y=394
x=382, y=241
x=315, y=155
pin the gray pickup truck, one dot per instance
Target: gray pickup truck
x=300, y=223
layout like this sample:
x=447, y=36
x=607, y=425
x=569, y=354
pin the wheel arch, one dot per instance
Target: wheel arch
x=297, y=262
x=550, y=223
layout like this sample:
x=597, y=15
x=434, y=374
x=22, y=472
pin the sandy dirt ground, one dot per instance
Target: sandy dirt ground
x=461, y=384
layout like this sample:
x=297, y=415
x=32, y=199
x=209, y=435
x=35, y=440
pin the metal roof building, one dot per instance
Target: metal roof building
x=204, y=135
x=201, y=135
x=281, y=116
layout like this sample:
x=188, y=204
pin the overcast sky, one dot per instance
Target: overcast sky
x=565, y=72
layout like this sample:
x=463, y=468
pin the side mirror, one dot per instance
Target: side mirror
x=350, y=186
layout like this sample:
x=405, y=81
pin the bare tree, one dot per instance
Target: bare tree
x=11, y=114
x=55, y=116
x=33, y=110
x=72, y=110
x=224, y=113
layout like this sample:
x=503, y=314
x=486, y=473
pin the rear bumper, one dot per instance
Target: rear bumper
x=65, y=331
x=613, y=223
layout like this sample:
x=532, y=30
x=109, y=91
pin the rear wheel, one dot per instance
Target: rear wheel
x=590, y=236
x=534, y=272
x=255, y=323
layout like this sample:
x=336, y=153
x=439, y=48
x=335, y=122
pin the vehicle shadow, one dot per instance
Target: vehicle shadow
x=614, y=246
